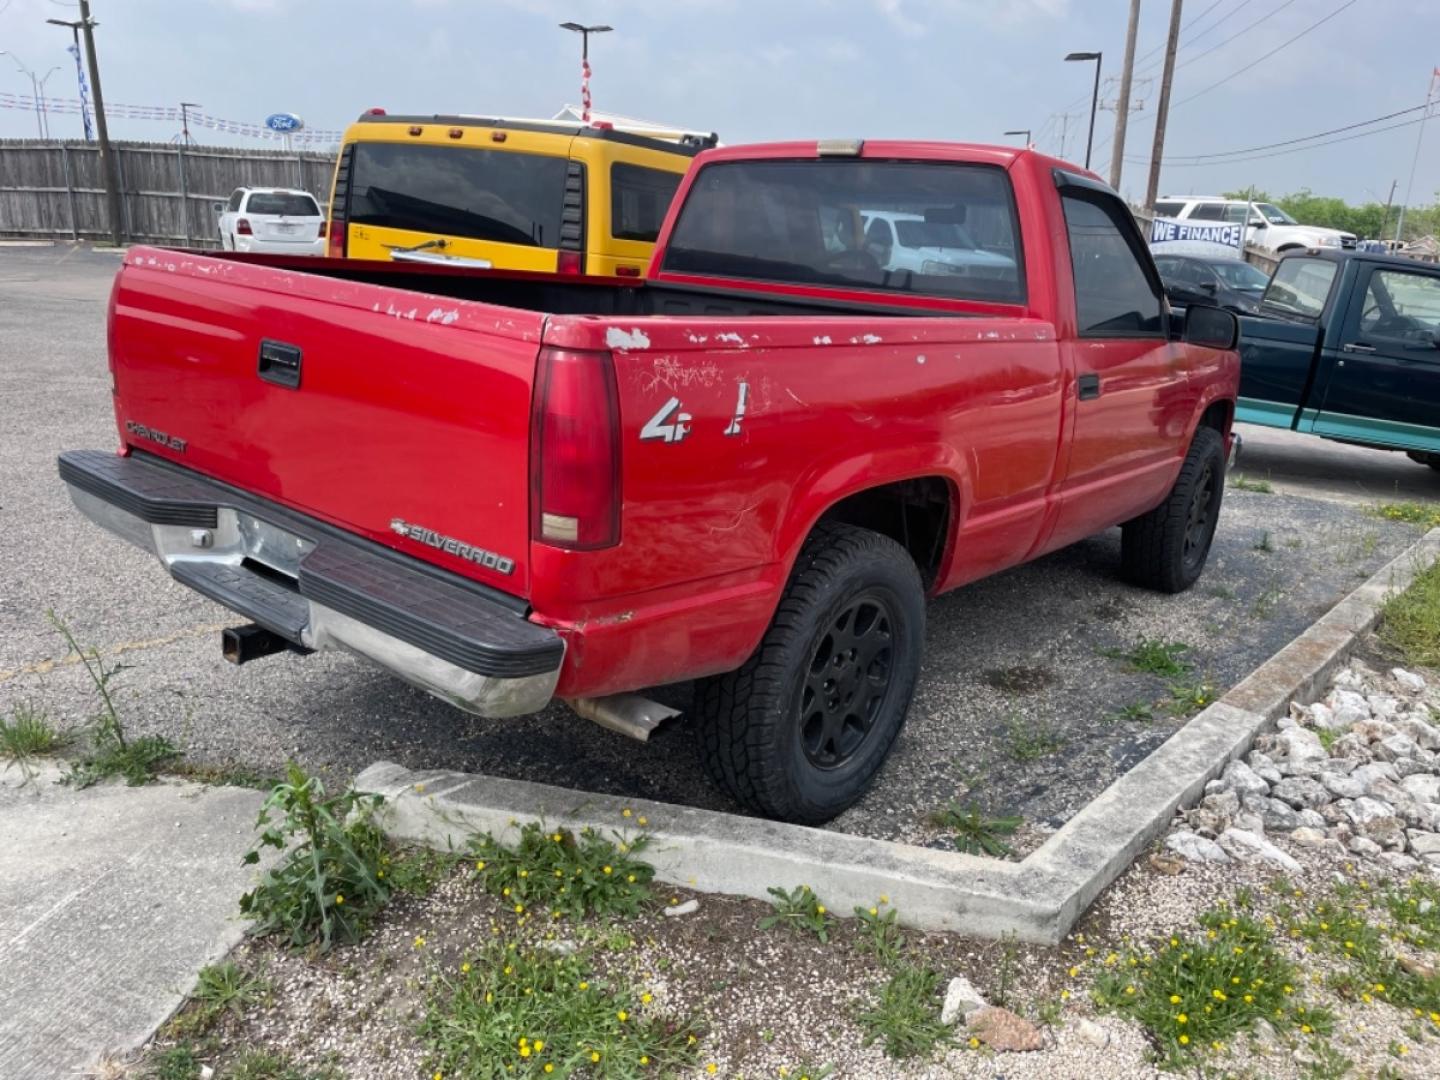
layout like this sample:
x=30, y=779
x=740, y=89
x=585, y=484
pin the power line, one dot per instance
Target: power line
x=1283, y=45
x=1186, y=43
x=1303, y=138
x=1292, y=150
x=1238, y=33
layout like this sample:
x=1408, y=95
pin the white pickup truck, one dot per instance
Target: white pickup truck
x=1270, y=227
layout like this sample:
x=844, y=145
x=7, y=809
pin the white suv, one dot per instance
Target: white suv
x=281, y=221
x=906, y=241
x=1270, y=227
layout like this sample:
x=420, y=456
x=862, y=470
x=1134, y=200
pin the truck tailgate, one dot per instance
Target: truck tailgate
x=400, y=416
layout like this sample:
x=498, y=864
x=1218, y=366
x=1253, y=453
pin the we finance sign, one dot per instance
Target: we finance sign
x=1171, y=236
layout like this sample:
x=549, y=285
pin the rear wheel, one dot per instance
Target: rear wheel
x=799, y=732
x=1425, y=458
x=1166, y=549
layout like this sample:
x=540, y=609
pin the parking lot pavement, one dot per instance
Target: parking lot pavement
x=1016, y=709
x=111, y=899
x=1322, y=469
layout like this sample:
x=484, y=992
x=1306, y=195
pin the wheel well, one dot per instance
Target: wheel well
x=913, y=513
x=1218, y=416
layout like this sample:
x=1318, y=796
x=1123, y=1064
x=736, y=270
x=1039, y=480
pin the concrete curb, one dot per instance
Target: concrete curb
x=1037, y=899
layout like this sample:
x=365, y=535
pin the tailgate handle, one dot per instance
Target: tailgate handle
x=280, y=364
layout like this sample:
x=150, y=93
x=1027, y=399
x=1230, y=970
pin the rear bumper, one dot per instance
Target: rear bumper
x=318, y=587
x=280, y=247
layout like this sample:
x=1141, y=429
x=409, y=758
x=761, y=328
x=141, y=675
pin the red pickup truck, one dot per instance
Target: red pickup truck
x=857, y=376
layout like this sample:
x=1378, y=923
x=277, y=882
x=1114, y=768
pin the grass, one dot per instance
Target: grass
x=879, y=932
x=1267, y=601
x=219, y=989
x=1196, y=993
x=973, y=832
x=561, y=874
x=1264, y=544
x=1188, y=698
x=1153, y=657
x=1032, y=741
x=1137, y=712
x=180, y=1062
x=225, y=775
x=110, y=752
x=506, y=1011
x=1244, y=483
x=266, y=1065
x=905, y=1016
x=28, y=734
x=1410, y=621
x=798, y=910
x=1426, y=515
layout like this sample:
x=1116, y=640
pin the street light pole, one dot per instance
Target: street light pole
x=1162, y=112
x=107, y=152
x=79, y=72
x=185, y=107
x=585, y=32
x=1094, y=97
x=1122, y=106
x=37, y=92
x=1021, y=131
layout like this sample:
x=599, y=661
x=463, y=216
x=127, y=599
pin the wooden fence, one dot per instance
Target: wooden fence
x=56, y=189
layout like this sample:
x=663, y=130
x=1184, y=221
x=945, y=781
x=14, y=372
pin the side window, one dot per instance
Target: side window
x=1402, y=307
x=639, y=199
x=1235, y=213
x=1208, y=211
x=1114, y=296
x=1169, y=209
x=235, y=200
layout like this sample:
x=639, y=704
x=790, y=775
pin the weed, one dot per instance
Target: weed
x=226, y=987
x=1266, y=603
x=562, y=874
x=330, y=880
x=1137, y=712
x=880, y=934
x=111, y=752
x=179, y=1062
x=511, y=1012
x=265, y=1065
x=1263, y=544
x=1244, y=483
x=906, y=1015
x=1327, y=737
x=1198, y=992
x=799, y=910
x=1005, y=972
x=1221, y=592
x=1049, y=1011
x=1410, y=621
x=1426, y=515
x=1328, y=1063
x=417, y=871
x=1341, y=928
x=1389, y=1072
x=225, y=775
x=1032, y=741
x=1186, y=699
x=805, y=1070
x=974, y=833
x=1153, y=657
x=28, y=734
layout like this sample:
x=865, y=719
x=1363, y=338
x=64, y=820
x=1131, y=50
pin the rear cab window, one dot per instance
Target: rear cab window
x=834, y=222
x=639, y=200
x=284, y=203
x=1300, y=288
x=1115, y=295
x=512, y=198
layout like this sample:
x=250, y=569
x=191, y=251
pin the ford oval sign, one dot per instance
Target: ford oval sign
x=284, y=122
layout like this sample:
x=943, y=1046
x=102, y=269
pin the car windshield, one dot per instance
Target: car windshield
x=1241, y=275
x=1275, y=215
x=932, y=234
x=291, y=204
x=1300, y=287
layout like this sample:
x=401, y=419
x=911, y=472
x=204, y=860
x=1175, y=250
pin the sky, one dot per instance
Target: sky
x=759, y=70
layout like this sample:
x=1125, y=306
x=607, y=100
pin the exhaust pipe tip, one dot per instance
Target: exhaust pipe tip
x=241, y=644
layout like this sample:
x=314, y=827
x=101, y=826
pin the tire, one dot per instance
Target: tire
x=1421, y=457
x=1166, y=549
x=770, y=735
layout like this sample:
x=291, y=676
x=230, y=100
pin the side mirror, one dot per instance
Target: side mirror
x=1209, y=286
x=1211, y=327
x=1259, y=223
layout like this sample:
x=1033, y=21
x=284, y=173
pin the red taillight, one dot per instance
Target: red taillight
x=575, y=462
x=242, y=227
x=321, y=233
x=627, y=271
x=335, y=240
x=570, y=262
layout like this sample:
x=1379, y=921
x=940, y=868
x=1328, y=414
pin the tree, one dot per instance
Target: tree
x=1366, y=220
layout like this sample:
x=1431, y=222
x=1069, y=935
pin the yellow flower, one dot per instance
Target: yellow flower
x=644, y=1059
x=690, y=1040
x=379, y=873
x=885, y=900
x=524, y=1051
x=584, y=986
x=1064, y=995
x=505, y=891
x=1305, y=1028
x=1184, y=1040
x=974, y=1043
x=508, y=969
x=1249, y=999
x=641, y=820
x=1379, y=988
x=1074, y=971
x=712, y=1068
x=489, y=997
x=645, y=998
x=1129, y=989
x=1218, y=995
x=820, y=909
x=625, y=812
x=1174, y=999
x=630, y=878
x=874, y=911
x=339, y=899
x=549, y=1068
x=419, y=942
x=557, y=838
x=605, y=869
x=519, y=909
x=594, y=1055
x=480, y=865
x=465, y=967
x=622, y=1015
x=1182, y=1019
x=524, y=873
x=539, y=1044
x=1402, y=1049
x=1174, y=942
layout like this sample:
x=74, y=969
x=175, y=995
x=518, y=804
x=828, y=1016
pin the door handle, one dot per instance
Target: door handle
x=1357, y=347
x=1088, y=387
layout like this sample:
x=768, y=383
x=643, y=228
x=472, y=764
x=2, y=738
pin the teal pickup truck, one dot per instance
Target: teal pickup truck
x=1347, y=346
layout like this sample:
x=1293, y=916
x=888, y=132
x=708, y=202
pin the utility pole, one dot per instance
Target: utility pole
x=107, y=152
x=1419, y=141
x=185, y=107
x=1389, y=201
x=1122, y=107
x=1162, y=112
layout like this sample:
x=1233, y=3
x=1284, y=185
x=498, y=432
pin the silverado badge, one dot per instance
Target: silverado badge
x=451, y=546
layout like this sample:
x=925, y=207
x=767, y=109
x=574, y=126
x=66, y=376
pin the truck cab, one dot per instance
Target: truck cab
x=1347, y=346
